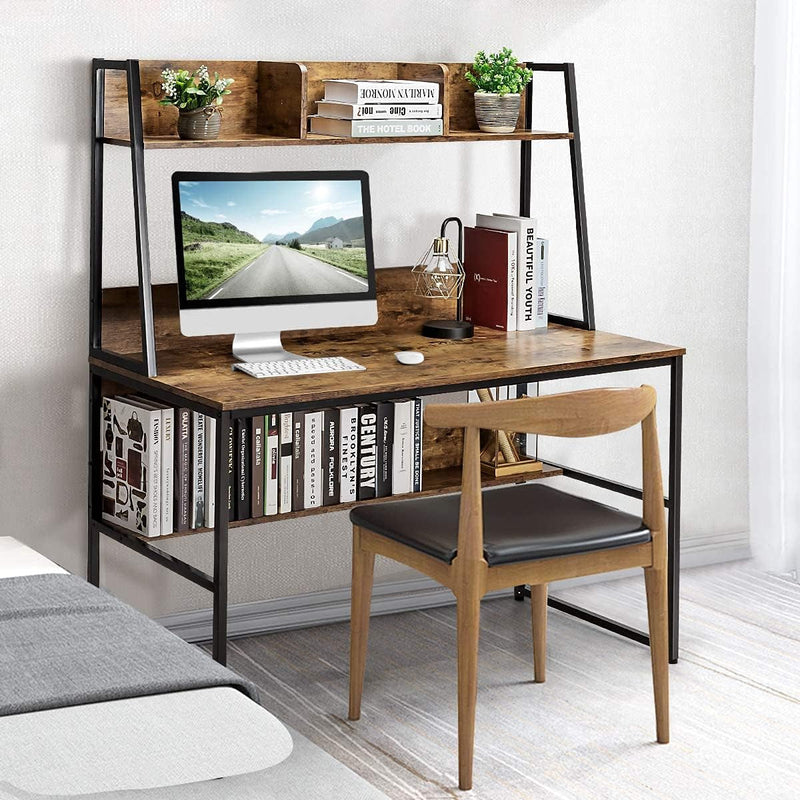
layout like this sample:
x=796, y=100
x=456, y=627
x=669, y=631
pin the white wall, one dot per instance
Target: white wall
x=665, y=93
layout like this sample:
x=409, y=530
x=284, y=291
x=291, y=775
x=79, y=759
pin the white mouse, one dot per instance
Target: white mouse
x=409, y=357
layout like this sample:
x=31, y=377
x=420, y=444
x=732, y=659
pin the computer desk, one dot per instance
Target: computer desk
x=196, y=373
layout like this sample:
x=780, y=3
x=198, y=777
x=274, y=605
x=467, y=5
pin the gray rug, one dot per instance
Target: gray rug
x=589, y=731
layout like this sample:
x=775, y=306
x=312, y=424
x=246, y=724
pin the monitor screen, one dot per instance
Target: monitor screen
x=272, y=238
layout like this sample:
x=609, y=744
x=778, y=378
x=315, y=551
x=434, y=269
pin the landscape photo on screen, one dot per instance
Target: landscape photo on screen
x=260, y=238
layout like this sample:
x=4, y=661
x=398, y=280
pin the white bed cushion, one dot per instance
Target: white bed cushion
x=142, y=743
x=16, y=559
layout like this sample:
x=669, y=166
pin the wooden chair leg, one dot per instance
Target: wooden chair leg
x=361, y=595
x=468, y=613
x=656, y=586
x=539, y=627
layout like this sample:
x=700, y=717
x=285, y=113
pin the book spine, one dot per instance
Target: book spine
x=512, y=282
x=257, y=467
x=542, y=256
x=348, y=455
x=526, y=278
x=231, y=472
x=198, y=469
x=378, y=92
x=402, y=450
x=405, y=127
x=271, y=466
x=285, y=468
x=242, y=469
x=386, y=111
x=211, y=471
x=330, y=457
x=183, y=476
x=367, y=451
x=312, y=489
x=385, y=414
x=298, y=460
x=167, y=471
x=416, y=479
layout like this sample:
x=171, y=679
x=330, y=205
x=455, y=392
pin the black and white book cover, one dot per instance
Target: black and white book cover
x=198, y=469
x=416, y=476
x=271, y=465
x=211, y=471
x=403, y=449
x=348, y=455
x=312, y=491
x=183, y=469
x=166, y=524
x=129, y=465
x=385, y=414
x=298, y=460
x=285, y=465
x=336, y=110
x=367, y=451
x=242, y=468
x=257, y=479
x=330, y=456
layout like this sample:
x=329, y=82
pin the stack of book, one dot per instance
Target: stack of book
x=505, y=265
x=364, y=109
x=159, y=462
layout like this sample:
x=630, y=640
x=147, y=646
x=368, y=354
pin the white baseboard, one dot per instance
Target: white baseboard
x=391, y=597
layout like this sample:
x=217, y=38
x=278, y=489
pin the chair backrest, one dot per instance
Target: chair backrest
x=592, y=412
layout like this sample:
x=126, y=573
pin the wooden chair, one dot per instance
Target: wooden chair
x=522, y=534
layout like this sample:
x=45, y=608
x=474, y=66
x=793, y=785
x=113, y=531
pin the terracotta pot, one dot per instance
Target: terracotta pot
x=497, y=113
x=200, y=123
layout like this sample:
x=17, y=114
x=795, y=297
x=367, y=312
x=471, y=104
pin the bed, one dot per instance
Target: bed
x=202, y=743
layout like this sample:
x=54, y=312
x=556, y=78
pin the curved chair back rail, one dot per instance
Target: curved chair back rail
x=592, y=412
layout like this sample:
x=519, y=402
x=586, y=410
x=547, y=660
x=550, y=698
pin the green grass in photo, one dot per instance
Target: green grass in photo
x=214, y=262
x=350, y=259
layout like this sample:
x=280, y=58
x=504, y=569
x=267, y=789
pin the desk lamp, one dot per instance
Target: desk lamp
x=439, y=274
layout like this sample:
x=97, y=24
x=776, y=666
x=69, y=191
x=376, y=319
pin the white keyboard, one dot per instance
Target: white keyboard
x=296, y=366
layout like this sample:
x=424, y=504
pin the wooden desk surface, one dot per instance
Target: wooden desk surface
x=199, y=368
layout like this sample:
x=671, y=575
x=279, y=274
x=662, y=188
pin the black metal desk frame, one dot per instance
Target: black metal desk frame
x=217, y=582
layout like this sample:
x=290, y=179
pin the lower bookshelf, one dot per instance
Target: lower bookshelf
x=436, y=481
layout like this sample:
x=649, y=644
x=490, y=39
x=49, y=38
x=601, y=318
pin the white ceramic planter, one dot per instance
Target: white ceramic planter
x=497, y=113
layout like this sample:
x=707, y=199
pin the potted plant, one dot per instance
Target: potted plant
x=198, y=100
x=498, y=80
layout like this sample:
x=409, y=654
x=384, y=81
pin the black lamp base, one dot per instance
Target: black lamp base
x=448, y=329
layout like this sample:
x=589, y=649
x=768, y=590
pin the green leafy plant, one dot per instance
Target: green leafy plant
x=498, y=73
x=190, y=90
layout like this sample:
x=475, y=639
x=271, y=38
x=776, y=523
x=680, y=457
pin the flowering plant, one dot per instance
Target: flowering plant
x=190, y=90
x=498, y=73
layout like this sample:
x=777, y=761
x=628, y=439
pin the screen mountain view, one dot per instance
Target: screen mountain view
x=253, y=239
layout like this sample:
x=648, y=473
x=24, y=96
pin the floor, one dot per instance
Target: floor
x=589, y=731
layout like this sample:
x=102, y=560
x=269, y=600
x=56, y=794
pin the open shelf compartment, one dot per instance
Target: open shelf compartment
x=271, y=101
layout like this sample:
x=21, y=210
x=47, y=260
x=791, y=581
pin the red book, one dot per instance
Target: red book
x=486, y=267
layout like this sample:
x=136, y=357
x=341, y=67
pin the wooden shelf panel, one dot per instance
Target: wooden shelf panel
x=435, y=481
x=263, y=140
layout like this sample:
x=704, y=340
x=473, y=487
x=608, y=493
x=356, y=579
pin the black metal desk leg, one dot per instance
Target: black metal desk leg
x=220, y=619
x=674, y=493
x=95, y=479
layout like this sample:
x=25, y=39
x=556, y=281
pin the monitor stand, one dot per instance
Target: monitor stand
x=261, y=347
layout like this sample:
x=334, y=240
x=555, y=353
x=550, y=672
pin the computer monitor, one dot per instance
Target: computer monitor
x=262, y=252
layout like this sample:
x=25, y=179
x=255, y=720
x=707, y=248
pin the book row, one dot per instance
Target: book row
x=159, y=473
x=364, y=109
x=505, y=266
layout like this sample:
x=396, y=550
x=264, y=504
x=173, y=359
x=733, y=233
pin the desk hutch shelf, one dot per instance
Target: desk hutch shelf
x=136, y=345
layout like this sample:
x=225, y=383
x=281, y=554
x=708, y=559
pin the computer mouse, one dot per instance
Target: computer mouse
x=409, y=357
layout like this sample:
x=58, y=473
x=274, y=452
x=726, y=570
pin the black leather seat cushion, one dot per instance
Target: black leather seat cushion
x=521, y=523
